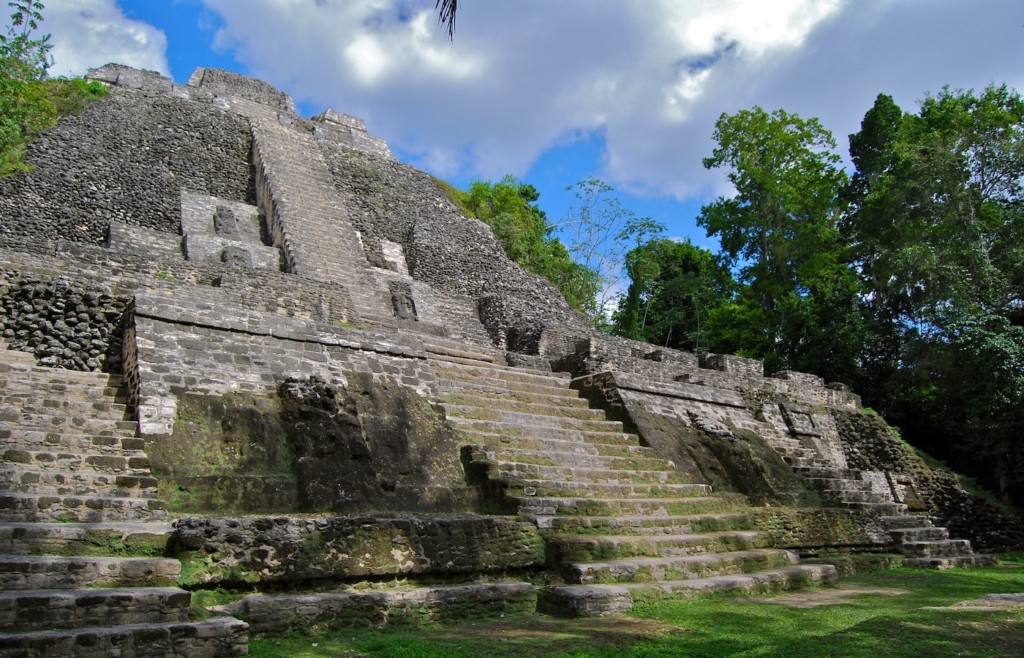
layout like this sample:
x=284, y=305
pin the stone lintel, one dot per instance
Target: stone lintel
x=341, y=119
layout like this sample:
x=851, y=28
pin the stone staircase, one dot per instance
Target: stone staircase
x=296, y=189
x=913, y=535
x=82, y=533
x=616, y=516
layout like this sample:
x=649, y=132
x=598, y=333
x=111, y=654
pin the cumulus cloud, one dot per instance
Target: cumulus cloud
x=521, y=77
x=649, y=77
x=90, y=33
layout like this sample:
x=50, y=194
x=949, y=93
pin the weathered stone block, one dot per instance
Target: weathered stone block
x=283, y=549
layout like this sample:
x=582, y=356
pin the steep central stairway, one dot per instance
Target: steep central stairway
x=82, y=533
x=615, y=515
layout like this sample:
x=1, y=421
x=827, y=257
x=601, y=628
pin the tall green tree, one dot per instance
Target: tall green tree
x=936, y=234
x=937, y=196
x=674, y=288
x=780, y=229
x=975, y=366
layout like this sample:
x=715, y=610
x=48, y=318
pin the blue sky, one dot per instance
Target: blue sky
x=555, y=92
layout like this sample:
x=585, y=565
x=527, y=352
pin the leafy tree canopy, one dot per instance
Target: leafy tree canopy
x=674, y=288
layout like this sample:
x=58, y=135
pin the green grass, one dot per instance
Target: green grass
x=915, y=623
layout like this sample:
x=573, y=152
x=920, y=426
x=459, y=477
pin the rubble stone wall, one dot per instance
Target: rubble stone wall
x=126, y=158
x=269, y=550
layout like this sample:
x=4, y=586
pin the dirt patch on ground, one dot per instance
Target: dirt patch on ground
x=613, y=631
x=993, y=602
x=814, y=598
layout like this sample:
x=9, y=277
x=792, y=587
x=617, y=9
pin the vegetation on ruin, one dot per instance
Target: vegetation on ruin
x=30, y=101
x=510, y=208
x=896, y=612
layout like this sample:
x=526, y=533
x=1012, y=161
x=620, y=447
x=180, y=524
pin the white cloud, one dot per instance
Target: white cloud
x=520, y=76
x=90, y=33
x=649, y=76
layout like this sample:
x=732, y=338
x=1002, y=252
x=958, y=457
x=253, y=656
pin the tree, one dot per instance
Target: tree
x=937, y=236
x=23, y=57
x=446, y=10
x=674, y=288
x=24, y=110
x=937, y=217
x=780, y=228
x=976, y=368
x=510, y=208
x=599, y=232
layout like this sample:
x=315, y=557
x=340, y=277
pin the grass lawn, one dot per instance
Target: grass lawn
x=890, y=614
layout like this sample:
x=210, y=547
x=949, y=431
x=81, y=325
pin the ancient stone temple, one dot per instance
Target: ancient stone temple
x=251, y=351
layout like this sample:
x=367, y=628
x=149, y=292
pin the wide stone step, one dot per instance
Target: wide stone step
x=879, y=509
x=50, y=609
x=58, y=389
x=129, y=539
x=495, y=386
x=828, y=473
x=858, y=496
x=344, y=609
x=897, y=521
x=677, y=568
x=644, y=524
x=583, y=419
x=79, y=509
x=516, y=474
x=39, y=374
x=11, y=418
x=518, y=401
x=901, y=535
x=551, y=506
x=441, y=349
x=34, y=438
x=647, y=461
x=532, y=422
x=98, y=407
x=554, y=488
x=477, y=372
x=496, y=370
x=575, y=447
x=16, y=356
x=838, y=484
x=799, y=463
x=222, y=636
x=115, y=461
x=24, y=572
x=604, y=600
x=976, y=560
x=537, y=394
x=589, y=548
x=938, y=548
x=76, y=483
x=614, y=437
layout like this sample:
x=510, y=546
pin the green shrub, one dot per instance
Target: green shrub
x=29, y=107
